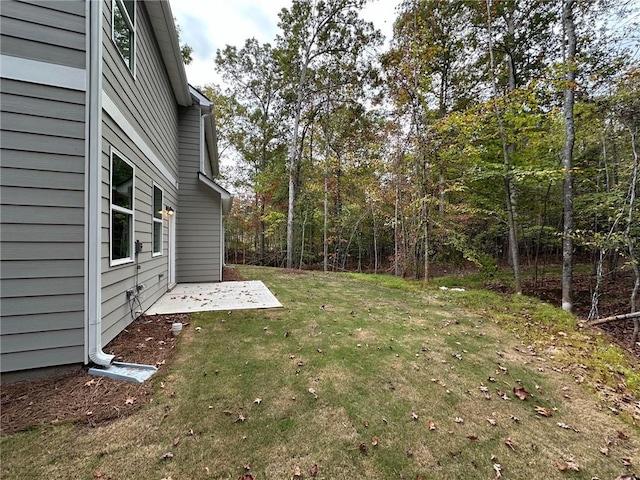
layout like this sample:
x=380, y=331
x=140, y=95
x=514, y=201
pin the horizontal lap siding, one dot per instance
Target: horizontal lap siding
x=42, y=191
x=198, y=219
x=146, y=101
x=51, y=32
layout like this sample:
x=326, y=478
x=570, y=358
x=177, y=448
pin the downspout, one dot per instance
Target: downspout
x=93, y=187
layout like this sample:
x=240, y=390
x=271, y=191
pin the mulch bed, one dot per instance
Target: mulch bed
x=81, y=398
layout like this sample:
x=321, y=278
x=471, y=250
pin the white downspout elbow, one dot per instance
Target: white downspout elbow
x=93, y=188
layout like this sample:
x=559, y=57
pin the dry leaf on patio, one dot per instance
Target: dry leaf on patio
x=545, y=412
x=314, y=470
x=521, y=393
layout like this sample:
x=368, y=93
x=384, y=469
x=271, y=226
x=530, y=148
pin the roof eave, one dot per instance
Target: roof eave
x=167, y=38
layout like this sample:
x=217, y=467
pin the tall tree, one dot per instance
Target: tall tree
x=567, y=155
x=316, y=34
x=254, y=78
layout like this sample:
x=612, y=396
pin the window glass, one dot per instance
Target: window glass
x=121, y=183
x=157, y=220
x=122, y=198
x=123, y=29
x=121, y=226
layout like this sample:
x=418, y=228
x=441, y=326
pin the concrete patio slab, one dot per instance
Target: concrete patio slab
x=206, y=297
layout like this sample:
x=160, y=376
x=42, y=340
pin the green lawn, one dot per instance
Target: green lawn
x=367, y=378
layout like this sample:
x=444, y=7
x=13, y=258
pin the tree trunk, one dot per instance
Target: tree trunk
x=509, y=194
x=567, y=158
x=631, y=241
x=293, y=161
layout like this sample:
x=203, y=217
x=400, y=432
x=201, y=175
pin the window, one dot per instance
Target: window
x=122, y=198
x=124, y=31
x=157, y=219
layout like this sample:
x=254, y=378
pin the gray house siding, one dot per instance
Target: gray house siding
x=199, y=217
x=141, y=125
x=42, y=190
x=51, y=32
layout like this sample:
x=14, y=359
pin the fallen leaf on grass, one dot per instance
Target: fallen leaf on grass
x=626, y=461
x=314, y=470
x=363, y=447
x=130, y=401
x=605, y=451
x=545, y=412
x=176, y=441
x=241, y=418
x=567, y=427
x=166, y=455
x=409, y=453
x=432, y=425
x=570, y=465
x=374, y=441
x=90, y=382
x=297, y=472
x=510, y=443
x=623, y=436
x=629, y=476
x=458, y=420
x=257, y=401
x=492, y=422
x=414, y=416
x=498, y=469
x=521, y=393
x=473, y=438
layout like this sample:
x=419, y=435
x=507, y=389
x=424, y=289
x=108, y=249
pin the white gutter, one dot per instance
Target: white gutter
x=93, y=187
x=211, y=141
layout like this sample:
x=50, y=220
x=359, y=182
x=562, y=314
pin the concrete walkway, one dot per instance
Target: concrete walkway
x=206, y=297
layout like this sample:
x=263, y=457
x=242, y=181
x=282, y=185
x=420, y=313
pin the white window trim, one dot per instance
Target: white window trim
x=155, y=220
x=116, y=208
x=132, y=25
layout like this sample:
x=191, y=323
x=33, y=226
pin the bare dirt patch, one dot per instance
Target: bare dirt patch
x=78, y=397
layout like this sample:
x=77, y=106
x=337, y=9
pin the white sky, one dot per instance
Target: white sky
x=211, y=25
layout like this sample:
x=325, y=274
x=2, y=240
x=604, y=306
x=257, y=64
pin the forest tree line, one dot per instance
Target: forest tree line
x=485, y=133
